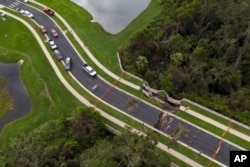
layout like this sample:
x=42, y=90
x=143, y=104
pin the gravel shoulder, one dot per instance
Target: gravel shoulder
x=17, y=91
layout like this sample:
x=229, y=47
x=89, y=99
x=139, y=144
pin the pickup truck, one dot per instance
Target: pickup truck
x=89, y=70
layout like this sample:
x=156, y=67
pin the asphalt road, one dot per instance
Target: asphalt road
x=17, y=91
x=197, y=139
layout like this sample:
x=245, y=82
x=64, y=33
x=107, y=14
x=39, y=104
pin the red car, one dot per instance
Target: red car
x=54, y=33
x=48, y=11
x=43, y=29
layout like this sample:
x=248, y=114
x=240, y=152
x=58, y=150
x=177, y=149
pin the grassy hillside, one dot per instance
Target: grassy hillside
x=51, y=104
x=49, y=97
x=102, y=44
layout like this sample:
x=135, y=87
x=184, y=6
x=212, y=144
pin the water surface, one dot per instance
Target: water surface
x=113, y=15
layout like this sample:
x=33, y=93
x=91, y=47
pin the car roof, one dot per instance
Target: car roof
x=51, y=42
x=67, y=59
x=56, y=51
x=89, y=68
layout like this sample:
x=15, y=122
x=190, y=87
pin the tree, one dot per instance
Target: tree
x=176, y=59
x=130, y=149
x=58, y=142
x=166, y=81
x=196, y=49
x=101, y=154
x=141, y=64
x=87, y=126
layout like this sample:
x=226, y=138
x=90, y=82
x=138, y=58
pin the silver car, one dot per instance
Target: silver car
x=28, y=14
x=67, y=63
x=52, y=44
x=58, y=55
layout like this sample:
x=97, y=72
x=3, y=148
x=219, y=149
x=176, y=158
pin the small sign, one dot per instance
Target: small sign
x=239, y=158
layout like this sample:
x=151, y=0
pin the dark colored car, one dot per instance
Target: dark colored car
x=49, y=11
x=58, y=55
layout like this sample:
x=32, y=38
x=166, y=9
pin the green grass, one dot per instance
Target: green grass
x=185, y=151
x=41, y=82
x=216, y=118
x=217, y=131
x=50, y=99
x=128, y=120
x=99, y=71
x=103, y=45
x=93, y=35
x=5, y=99
x=39, y=78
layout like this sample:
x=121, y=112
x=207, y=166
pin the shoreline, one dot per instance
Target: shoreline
x=17, y=91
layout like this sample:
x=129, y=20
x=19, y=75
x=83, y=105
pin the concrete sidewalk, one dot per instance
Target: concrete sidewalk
x=90, y=55
x=132, y=85
x=86, y=102
x=215, y=123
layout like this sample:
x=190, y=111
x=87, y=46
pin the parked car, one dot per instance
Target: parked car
x=89, y=70
x=54, y=33
x=68, y=63
x=43, y=29
x=28, y=14
x=48, y=11
x=25, y=1
x=52, y=44
x=58, y=55
x=20, y=10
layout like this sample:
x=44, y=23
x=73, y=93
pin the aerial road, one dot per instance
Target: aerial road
x=204, y=142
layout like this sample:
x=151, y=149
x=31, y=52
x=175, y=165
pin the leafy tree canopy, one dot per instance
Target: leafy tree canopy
x=197, y=48
x=81, y=140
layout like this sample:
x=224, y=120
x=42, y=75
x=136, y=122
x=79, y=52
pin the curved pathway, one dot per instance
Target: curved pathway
x=17, y=91
x=86, y=102
x=134, y=86
x=206, y=142
x=144, y=112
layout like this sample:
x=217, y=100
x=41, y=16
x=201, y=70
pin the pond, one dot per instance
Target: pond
x=17, y=90
x=113, y=15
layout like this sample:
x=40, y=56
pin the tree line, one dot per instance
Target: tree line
x=197, y=49
x=81, y=140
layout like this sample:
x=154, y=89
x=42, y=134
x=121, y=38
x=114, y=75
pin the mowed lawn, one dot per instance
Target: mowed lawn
x=50, y=99
x=103, y=45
